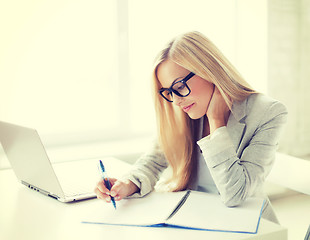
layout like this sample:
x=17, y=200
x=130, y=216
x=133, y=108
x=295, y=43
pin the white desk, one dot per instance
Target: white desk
x=26, y=214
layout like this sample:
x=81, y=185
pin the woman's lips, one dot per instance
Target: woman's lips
x=187, y=108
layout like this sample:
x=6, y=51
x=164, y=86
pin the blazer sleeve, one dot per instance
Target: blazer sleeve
x=240, y=177
x=147, y=170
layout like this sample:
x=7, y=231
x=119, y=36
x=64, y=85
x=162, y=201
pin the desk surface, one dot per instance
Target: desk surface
x=26, y=214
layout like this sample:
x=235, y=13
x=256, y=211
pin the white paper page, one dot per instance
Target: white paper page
x=151, y=209
x=206, y=211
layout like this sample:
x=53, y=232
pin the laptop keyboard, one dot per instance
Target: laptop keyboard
x=73, y=190
x=77, y=178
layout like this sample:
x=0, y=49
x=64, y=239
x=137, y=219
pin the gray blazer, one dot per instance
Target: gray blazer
x=239, y=158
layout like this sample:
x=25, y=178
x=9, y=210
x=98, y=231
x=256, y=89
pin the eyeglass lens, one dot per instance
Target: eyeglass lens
x=179, y=88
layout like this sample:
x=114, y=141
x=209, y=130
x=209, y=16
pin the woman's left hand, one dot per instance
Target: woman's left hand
x=218, y=111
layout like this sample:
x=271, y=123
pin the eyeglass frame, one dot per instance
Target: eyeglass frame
x=171, y=90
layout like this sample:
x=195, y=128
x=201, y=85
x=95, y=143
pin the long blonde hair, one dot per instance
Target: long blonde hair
x=176, y=131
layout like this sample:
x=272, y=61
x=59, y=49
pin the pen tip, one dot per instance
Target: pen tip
x=114, y=204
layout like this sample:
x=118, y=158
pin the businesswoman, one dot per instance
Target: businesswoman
x=215, y=132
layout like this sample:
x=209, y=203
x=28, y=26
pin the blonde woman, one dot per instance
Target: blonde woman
x=216, y=133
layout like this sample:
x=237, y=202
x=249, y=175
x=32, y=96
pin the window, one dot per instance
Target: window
x=59, y=68
x=79, y=71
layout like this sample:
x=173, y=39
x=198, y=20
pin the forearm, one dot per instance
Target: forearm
x=234, y=177
x=146, y=171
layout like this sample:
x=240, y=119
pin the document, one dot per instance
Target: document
x=185, y=209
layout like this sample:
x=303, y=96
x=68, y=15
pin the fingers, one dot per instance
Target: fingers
x=217, y=106
x=122, y=189
x=102, y=192
x=118, y=191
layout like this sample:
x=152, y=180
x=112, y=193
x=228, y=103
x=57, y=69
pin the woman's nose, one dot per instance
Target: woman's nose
x=177, y=100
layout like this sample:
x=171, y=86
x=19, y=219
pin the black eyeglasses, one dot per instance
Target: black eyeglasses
x=180, y=88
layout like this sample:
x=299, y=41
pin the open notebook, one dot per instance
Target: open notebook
x=186, y=209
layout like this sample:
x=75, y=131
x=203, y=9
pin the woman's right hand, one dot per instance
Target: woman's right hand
x=119, y=190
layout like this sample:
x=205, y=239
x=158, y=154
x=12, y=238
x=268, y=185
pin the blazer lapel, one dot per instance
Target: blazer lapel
x=235, y=124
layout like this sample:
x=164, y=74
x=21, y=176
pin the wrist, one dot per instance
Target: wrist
x=215, y=124
x=133, y=188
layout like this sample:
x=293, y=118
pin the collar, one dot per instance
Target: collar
x=238, y=110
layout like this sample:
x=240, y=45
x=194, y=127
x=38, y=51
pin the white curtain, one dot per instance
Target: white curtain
x=289, y=70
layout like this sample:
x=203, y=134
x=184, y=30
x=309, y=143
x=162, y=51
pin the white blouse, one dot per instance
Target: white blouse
x=205, y=181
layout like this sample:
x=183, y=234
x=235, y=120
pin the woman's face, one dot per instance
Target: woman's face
x=197, y=102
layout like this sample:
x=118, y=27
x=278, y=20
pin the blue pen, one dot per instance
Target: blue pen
x=106, y=181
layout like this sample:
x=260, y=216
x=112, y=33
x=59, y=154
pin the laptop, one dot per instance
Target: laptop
x=66, y=182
